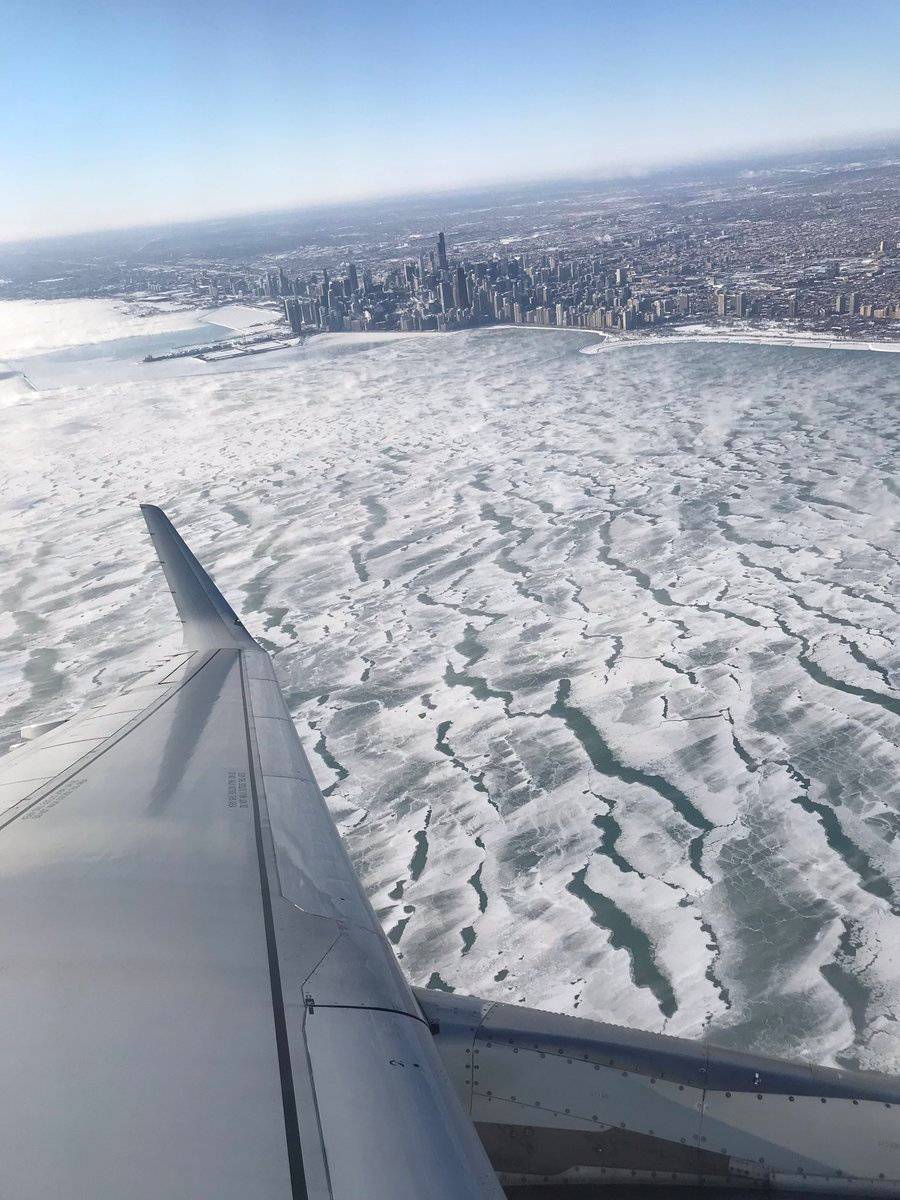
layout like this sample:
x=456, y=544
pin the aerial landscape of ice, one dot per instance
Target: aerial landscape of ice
x=595, y=655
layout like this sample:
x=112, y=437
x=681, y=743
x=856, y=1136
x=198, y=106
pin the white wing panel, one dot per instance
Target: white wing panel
x=95, y=726
x=280, y=752
x=136, y=1002
x=400, y=1098
x=314, y=872
x=12, y=793
x=44, y=760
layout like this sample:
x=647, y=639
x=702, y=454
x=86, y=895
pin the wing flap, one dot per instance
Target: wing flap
x=392, y=1111
x=582, y=1101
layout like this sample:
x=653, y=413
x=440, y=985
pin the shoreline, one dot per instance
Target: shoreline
x=795, y=342
x=16, y=384
x=699, y=334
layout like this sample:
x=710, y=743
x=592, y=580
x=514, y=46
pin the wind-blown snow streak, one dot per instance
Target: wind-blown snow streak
x=596, y=657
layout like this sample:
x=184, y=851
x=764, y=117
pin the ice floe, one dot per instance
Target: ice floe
x=595, y=657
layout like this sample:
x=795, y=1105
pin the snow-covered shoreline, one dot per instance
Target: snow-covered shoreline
x=709, y=333
x=809, y=341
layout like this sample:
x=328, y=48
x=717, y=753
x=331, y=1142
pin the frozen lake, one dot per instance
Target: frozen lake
x=596, y=656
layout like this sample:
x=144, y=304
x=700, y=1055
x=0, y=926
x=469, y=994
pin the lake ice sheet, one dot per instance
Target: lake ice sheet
x=595, y=656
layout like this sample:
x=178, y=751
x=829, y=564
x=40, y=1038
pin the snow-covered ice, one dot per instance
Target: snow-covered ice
x=30, y=327
x=242, y=317
x=595, y=656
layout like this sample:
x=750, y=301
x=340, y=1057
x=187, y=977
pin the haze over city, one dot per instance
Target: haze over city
x=136, y=114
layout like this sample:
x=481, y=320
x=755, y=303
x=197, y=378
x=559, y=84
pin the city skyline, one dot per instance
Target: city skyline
x=814, y=242
x=630, y=291
x=670, y=255
x=135, y=116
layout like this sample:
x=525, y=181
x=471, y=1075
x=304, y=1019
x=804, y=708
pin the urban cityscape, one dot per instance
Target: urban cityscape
x=439, y=293
x=812, y=245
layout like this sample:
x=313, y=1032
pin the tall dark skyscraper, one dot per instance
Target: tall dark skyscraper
x=442, y=253
x=354, y=279
x=293, y=314
x=460, y=290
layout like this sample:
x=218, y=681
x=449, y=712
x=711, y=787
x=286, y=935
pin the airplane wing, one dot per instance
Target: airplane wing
x=561, y=1102
x=197, y=1000
x=196, y=997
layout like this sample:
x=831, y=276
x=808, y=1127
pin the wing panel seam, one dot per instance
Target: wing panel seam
x=90, y=757
x=288, y=1098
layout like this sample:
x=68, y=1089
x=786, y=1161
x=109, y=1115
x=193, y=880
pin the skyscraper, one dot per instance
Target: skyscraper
x=442, y=252
x=740, y=304
x=293, y=314
x=354, y=279
x=460, y=290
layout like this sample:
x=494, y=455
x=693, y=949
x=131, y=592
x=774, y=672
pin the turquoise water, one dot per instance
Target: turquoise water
x=59, y=367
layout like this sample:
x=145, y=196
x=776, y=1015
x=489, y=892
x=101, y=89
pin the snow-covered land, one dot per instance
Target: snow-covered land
x=596, y=657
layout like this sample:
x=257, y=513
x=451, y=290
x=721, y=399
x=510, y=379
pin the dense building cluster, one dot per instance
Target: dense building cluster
x=813, y=243
x=435, y=293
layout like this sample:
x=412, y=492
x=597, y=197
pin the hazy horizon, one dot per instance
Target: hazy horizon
x=770, y=155
x=132, y=117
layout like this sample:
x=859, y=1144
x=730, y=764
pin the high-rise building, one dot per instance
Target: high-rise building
x=442, y=253
x=293, y=314
x=460, y=290
x=354, y=279
x=740, y=304
x=793, y=305
x=721, y=304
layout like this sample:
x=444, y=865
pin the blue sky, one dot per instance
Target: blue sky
x=117, y=114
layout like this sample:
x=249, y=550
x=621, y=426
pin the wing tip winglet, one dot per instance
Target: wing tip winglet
x=208, y=619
